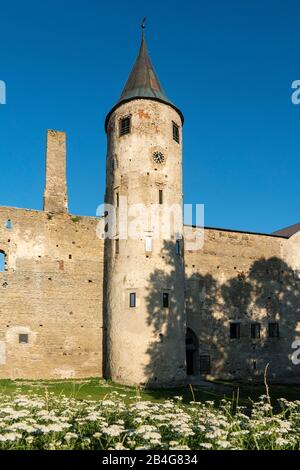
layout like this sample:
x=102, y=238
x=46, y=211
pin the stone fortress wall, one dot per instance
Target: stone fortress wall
x=51, y=287
x=51, y=293
x=247, y=279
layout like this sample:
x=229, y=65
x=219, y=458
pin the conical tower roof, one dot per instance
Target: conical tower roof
x=143, y=83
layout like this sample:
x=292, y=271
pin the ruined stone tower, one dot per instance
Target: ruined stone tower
x=144, y=288
x=55, y=195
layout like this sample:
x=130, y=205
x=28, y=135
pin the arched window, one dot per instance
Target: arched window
x=2, y=261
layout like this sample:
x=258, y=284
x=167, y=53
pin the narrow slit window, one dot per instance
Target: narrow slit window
x=255, y=330
x=177, y=247
x=273, y=330
x=9, y=224
x=148, y=244
x=160, y=196
x=165, y=300
x=176, y=132
x=117, y=199
x=117, y=245
x=235, y=330
x=132, y=299
x=125, y=126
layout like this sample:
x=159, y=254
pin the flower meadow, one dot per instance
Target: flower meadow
x=57, y=422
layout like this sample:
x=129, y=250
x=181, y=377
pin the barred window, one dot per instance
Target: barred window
x=176, y=132
x=125, y=126
x=204, y=364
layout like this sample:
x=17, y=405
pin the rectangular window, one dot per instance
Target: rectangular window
x=23, y=338
x=117, y=245
x=117, y=199
x=148, y=244
x=160, y=196
x=255, y=330
x=177, y=247
x=273, y=330
x=235, y=330
x=125, y=125
x=204, y=364
x=165, y=300
x=132, y=299
x=175, y=132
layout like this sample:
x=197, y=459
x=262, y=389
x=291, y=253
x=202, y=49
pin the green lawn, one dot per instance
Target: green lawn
x=95, y=389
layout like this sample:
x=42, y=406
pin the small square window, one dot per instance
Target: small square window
x=165, y=300
x=132, y=299
x=273, y=330
x=176, y=132
x=23, y=338
x=125, y=126
x=235, y=330
x=255, y=330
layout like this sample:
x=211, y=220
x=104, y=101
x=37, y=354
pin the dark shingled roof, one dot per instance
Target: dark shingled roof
x=288, y=231
x=142, y=83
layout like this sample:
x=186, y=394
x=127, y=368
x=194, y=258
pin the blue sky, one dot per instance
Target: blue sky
x=228, y=65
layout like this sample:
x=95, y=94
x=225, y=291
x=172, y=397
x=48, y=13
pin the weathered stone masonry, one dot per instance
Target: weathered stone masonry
x=51, y=291
x=233, y=306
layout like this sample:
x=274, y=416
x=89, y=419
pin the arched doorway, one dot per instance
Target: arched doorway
x=192, y=353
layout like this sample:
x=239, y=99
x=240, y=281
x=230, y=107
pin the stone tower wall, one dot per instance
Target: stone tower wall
x=145, y=344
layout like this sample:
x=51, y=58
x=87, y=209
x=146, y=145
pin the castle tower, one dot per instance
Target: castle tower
x=144, y=273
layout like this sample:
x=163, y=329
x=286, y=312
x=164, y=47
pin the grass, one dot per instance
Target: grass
x=95, y=389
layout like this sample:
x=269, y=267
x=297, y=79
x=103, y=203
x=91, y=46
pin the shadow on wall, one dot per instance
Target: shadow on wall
x=165, y=315
x=235, y=328
x=248, y=321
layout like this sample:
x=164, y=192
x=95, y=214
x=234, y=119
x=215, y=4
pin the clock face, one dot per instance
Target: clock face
x=158, y=157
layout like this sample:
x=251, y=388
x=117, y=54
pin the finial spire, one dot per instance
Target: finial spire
x=143, y=25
